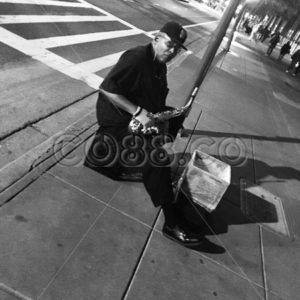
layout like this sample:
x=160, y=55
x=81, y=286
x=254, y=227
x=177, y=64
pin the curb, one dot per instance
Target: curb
x=18, y=174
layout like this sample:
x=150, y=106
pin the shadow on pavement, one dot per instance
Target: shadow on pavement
x=241, y=135
x=240, y=205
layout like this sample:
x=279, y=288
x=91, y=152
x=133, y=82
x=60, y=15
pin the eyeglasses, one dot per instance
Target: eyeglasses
x=171, y=45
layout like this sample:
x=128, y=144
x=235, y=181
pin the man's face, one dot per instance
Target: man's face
x=165, y=49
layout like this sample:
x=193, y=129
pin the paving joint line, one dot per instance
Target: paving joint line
x=229, y=253
x=77, y=245
x=98, y=200
x=10, y=291
x=228, y=269
x=264, y=274
x=140, y=258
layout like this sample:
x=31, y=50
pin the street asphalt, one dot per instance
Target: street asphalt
x=75, y=234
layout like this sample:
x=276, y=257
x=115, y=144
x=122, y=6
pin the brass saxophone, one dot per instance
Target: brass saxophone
x=136, y=127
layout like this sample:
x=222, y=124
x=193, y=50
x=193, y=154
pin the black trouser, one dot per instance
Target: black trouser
x=292, y=66
x=270, y=49
x=115, y=150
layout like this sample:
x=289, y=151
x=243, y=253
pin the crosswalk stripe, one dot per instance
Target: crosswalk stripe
x=48, y=58
x=100, y=63
x=82, y=38
x=116, y=18
x=17, y=19
x=201, y=24
x=37, y=48
x=47, y=2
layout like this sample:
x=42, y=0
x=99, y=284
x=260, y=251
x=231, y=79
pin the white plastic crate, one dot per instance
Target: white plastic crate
x=205, y=180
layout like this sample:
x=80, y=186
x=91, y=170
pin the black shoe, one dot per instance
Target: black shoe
x=182, y=237
x=134, y=177
x=208, y=247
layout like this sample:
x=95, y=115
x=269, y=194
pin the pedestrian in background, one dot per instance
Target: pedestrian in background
x=285, y=49
x=246, y=25
x=254, y=33
x=274, y=40
x=265, y=33
x=134, y=88
x=297, y=68
x=295, y=63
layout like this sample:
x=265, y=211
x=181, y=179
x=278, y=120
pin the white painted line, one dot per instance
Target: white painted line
x=82, y=38
x=281, y=97
x=234, y=54
x=116, y=18
x=46, y=2
x=237, y=44
x=48, y=58
x=200, y=24
x=10, y=291
x=100, y=63
x=16, y=19
x=152, y=33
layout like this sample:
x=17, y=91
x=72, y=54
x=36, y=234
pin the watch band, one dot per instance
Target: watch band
x=137, y=112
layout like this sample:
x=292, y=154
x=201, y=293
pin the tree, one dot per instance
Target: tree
x=283, y=14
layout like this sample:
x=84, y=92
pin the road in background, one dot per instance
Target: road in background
x=76, y=38
x=54, y=55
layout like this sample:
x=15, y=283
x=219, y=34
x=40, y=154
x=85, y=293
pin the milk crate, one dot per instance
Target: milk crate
x=205, y=180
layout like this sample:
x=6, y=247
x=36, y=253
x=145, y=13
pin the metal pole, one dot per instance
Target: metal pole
x=236, y=23
x=214, y=44
x=208, y=57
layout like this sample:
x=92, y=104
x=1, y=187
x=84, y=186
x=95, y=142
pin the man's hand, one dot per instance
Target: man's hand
x=144, y=117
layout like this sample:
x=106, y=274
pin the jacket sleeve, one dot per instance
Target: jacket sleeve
x=124, y=76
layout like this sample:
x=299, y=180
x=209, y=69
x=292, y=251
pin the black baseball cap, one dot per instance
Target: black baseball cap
x=176, y=33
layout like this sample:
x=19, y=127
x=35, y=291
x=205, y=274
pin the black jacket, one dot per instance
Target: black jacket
x=138, y=77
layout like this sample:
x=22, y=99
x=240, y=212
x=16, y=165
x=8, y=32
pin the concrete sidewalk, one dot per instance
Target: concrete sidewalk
x=75, y=234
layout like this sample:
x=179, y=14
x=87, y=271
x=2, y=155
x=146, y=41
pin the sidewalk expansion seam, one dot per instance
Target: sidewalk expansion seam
x=10, y=291
x=140, y=258
x=98, y=200
x=242, y=274
x=245, y=277
x=264, y=274
x=77, y=245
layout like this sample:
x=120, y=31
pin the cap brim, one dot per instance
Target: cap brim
x=182, y=46
x=179, y=44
